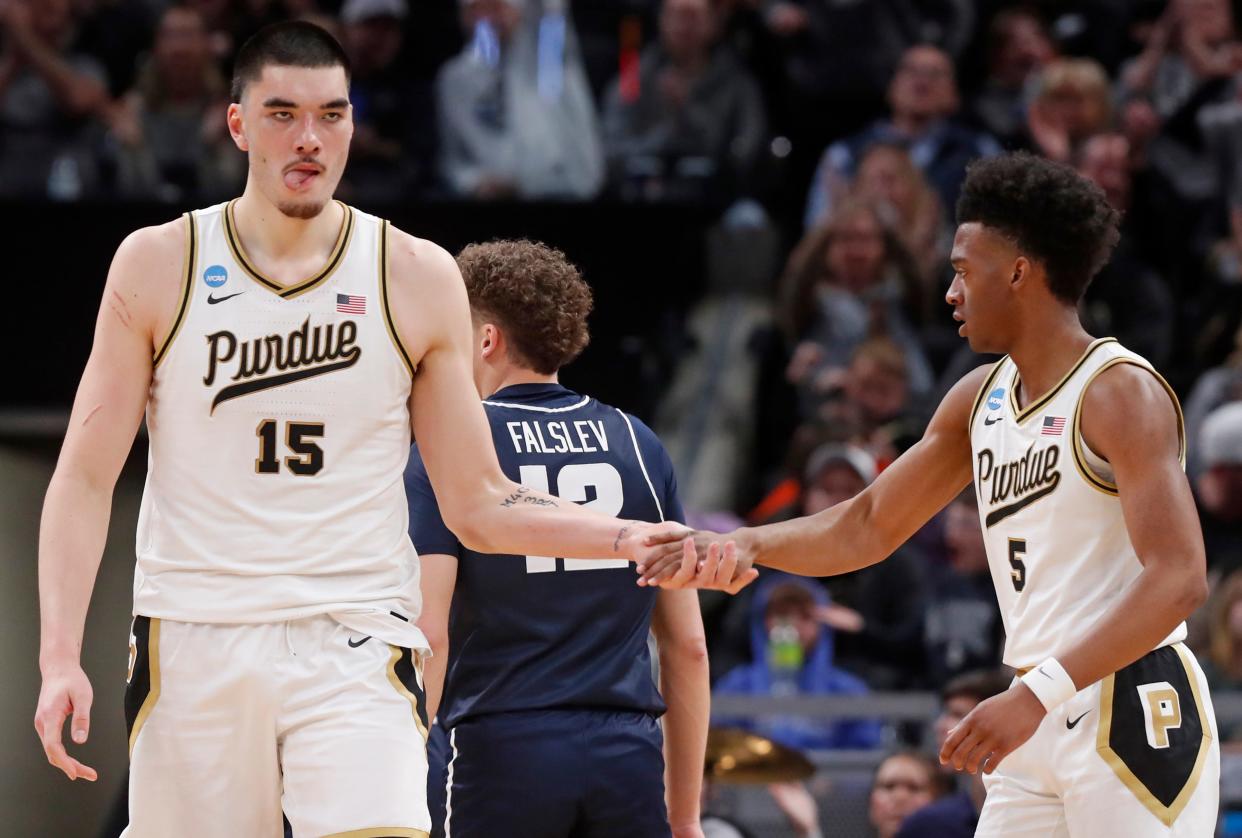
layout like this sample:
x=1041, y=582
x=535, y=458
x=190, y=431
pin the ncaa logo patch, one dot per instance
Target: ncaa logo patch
x=215, y=276
x=994, y=398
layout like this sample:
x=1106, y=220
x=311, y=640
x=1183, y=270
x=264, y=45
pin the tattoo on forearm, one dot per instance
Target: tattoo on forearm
x=523, y=495
x=539, y=501
x=621, y=533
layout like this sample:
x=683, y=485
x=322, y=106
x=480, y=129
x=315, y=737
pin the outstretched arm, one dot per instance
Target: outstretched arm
x=860, y=531
x=1129, y=419
x=486, y=510
x=106, y=414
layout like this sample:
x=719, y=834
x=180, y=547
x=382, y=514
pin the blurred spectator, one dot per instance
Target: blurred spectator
x=956, y=815
x=113, y=32
x=1214, y=388
x=873, y=407
x=49, y=98
x=173, y=139
x=888, y=177
x=1190, y=49
x=1214, y=316
x=923, y=98
x=691, y=124
x=846, y=281
x=1219, y=487
x=1186, y=65
x=612, y=34
x=904, y=783
x=393, y=148
x=877, y=611
x=1127, y=299
x=963, y=627
x=792, y=654
x=1222, y=665
x=1018, y=47
x=837, y=57
x=795, y=800
x=1072, y=102
x=515, y=112
x=220, y=18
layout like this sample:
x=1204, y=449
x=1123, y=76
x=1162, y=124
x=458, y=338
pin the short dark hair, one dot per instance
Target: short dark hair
x=980, y=685
x=535, y=294
x=290, y=43
x=1050, y=212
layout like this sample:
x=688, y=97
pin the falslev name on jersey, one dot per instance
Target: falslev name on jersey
x=1030, y=478
x=556, y=436
x=302, y=353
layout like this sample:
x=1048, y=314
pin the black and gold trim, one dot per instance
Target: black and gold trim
x=189, y=261
x=1164, y=778
x=382, y=832
x=387, y=306
x=143, y=689
x=1093, y=479
x=984, y=390
x=314, y=281
x=405, y=674
x=1021, y=415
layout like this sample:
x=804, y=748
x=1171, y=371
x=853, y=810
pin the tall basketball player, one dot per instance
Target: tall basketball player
x=282, y=346
x=1076, y=447
x=549, y=707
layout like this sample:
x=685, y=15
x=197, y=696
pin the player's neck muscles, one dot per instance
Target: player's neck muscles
x=1044, y=356
x=267, y=233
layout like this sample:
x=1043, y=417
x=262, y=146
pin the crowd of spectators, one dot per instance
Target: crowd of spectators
x=846, y=127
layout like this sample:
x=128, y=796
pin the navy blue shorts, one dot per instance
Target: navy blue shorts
x=549, y=774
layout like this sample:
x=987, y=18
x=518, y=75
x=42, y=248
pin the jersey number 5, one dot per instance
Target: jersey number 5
x=572, y=483
x=1017, y=549
x=309, y=459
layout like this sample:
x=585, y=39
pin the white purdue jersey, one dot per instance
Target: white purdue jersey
x=279, y=429
x=1056, y=540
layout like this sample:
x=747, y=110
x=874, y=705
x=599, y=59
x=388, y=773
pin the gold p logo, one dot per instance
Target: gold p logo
x=1162, y=712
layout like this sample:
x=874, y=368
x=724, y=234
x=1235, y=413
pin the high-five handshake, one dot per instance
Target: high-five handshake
x=698, y=559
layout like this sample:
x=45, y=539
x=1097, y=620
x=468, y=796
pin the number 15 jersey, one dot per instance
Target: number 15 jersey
x=539, y=632
x=279, y=428
x=1057, y=544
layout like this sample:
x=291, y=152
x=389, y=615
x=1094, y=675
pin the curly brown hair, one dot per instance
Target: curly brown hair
x=535, y=294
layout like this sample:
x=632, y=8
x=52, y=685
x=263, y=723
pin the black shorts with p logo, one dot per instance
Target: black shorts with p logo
x=1153, y=729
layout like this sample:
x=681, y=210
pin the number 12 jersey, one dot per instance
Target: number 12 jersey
x=537, y=632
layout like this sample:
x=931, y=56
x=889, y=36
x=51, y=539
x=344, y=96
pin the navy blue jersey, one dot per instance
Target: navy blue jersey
x=539, y=632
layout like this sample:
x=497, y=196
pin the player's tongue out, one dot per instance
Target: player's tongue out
x=297, y=178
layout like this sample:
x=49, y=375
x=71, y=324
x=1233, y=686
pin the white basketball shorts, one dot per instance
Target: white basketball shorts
x=1136, y=755
x=233, y=725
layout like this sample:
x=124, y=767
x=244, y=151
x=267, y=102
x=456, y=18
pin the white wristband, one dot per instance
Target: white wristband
x=1051, y=684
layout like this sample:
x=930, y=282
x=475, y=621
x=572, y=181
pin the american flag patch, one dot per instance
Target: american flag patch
x=351, y=303
x=1053, y=426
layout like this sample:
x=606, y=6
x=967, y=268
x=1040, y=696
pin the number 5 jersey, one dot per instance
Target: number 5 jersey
x=1057, y=544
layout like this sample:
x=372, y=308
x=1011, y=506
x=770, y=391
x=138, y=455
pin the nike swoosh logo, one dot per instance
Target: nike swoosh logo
x=354, y=645
x=212, y=300
x=991, y=420
x=998, y=515
x=1045, y=674
x=245, y=388
x=1071, y=725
